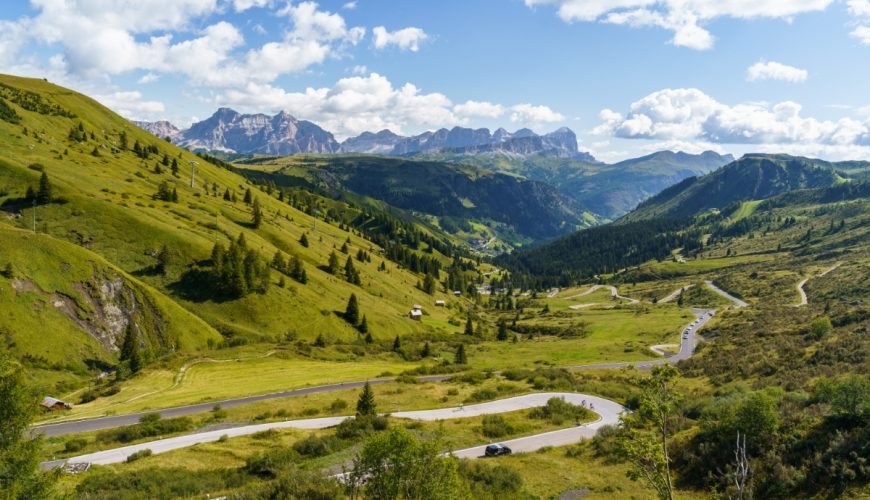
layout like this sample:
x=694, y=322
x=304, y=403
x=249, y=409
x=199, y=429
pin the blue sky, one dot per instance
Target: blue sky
x=629, y=76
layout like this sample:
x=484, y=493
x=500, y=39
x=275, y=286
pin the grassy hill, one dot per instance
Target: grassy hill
x=456, y=196
x=105, y=175
x=752, y=177
x=608, y=191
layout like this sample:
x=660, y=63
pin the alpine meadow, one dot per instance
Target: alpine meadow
x=506, y=249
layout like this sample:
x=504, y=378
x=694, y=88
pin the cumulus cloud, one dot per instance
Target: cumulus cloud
x=359, y=103
x=478, y=108
x=157, y=37
x=528, y=114
x=243, y=5
x=132, y=105
x=405, y=39
x=691, y=115
x=682, y=17
x=771, y=70
x=148, y=78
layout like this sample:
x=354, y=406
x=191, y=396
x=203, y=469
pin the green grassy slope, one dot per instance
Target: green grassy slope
x=104, y=203
x=753, y=177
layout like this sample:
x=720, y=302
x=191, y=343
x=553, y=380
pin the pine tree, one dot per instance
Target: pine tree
x=278, y=261
x=248, y=196
x=257, y=218
x=365, y=406
x=44, y=193
x=426, y=352
x=332, y=267
x=163, y=259
x=297, y=271
x=351, y=313
x=460, y=358
x=469, y=326
x=344, y=248
x=130, y=343
x=397, y=344
x=165, y=161
x=369, y=338
x=174, y=167
x=429, y=284
x=502, y=330
x=363, y=325
x=135, y=360
x=174, y=195
x=227, y=196
x=303, y=240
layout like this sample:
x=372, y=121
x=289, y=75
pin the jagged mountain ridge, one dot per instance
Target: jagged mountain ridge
x=229, y=131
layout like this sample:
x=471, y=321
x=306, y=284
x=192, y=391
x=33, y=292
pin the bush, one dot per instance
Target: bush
x=352, y=428
x=272, y=463
x=487, y=481
x=315, y=446
x=558, y=411
x=338, y=405
x=75, y=444
x=485, y=394
x=495, y=426
x=139, y=454
x=150, y=425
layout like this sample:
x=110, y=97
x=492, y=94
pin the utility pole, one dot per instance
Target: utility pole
x=34, y=216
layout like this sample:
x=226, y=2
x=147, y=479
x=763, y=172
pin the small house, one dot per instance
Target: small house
x=457, y=293
x=51, y=403
x=416, y=314
x=440, y=303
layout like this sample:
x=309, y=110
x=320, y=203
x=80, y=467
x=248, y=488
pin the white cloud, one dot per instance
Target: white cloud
x=360, y=103
x=862, y=33
x=148, y=78
x=528, y=114
x=243, y=5
x=12, y=38
x=682, y=17
x=349, y=5
x=860, y=8
x=405, y=39
x=131, y=105
x=771, y=70
x=691, y=115
x=479, y=108
x=359, y=69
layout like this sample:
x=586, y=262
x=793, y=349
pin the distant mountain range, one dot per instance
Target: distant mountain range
x=231, y=132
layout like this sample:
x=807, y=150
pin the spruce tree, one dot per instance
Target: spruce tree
x=248, y=196
x=332, y=267
x=44, y=193
x=469, y=326
x=502, y=330
x=303, y=240
x=460, y=358
x=129, y=346
x=363, y=325
x=365, y=406
x=397, y=344
x=369, y=338
x=351, y=313
x=135, y=360
x=427, y=351
x=174, y=167
x=163, y=259
x=257, y=217
x=429, y=284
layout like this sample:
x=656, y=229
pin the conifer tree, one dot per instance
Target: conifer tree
x=257, y=217
x=363, y=325
x=303, y=240
x=469, y=326
x=427, y=351
x=129, y=346
x=397, y=344
x=369, y=338
x=174, y=167
x=351, y=313
x=248, y=196
x=164, y=257
x=460, y=358
x=44, y=193
x=365, y=406
x=332, y=267
x=502, y=330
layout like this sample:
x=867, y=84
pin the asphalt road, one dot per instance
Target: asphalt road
x=93, y=424
x=737, y=302
x=608, y=412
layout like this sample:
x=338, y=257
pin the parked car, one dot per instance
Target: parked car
x=495, y=450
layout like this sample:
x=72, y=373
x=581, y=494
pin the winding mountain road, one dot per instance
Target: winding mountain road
x=800, y=286
x=737, y=302
x=607, y=410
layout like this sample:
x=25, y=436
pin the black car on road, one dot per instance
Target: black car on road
x=495, y=450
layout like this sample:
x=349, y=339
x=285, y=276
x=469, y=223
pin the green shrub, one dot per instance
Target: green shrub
x=138, y=455
x=74, y=444
x=495, y=426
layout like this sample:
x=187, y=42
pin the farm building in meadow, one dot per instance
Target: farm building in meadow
x=416, y=313
x=51, y=403
x=440, y=303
